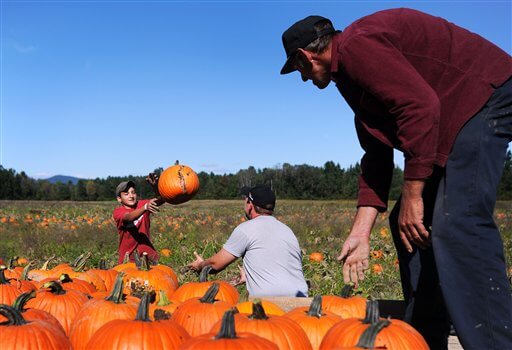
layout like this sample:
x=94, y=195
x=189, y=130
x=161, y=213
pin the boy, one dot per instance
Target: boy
x=132, y=219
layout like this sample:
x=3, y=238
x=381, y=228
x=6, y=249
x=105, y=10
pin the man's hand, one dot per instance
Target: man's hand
x=410, y=218
x=240, y=279
x=356, y=249
x=197, y=265
x=354, y=256
x=152, y=179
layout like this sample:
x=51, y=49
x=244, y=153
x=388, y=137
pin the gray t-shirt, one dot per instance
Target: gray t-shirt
x=271, y=256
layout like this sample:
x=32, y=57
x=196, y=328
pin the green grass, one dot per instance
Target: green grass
x=37, y=230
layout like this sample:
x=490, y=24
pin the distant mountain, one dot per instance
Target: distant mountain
x=63, y=179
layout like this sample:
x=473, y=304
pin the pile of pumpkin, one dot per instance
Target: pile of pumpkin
x=137, y=305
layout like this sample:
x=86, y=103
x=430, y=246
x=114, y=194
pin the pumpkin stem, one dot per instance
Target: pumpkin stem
x=13, y=316
x=315, y=308
x=47, y=262
x=367, y=339
x=77, y=260
x=346, y=291
x=55, y=287
x=21, y=300
x=143, y=310
x=163, y=300
x=203, y=276
x=144, y=262
x=102, y=264
x=126, y=258
x=211, y=293
x=227, y=328
x=26, y=269
x=3, y=279
x=64, y=278
x=177, y=162
x=80, y=266
x=372, y=312
x=258, y=312
x=136, y=258
x=117, y=296
x=12, y=262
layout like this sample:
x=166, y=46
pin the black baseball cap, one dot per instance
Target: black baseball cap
x=260, y=195
x=300, y=35
x=124, y=186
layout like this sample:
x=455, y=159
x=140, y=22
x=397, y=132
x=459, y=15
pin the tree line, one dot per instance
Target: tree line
x=329, y=181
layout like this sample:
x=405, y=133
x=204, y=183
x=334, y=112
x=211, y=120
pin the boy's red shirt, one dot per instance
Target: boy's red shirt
x=135, y=234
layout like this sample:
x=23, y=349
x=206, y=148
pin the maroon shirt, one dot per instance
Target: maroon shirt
x=134, y=234
x=413, y=80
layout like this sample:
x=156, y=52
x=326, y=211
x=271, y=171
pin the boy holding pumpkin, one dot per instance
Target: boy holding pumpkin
x=132, y=219
x=270, y=250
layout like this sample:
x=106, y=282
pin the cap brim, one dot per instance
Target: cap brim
x=245, y=191
x=289, y=66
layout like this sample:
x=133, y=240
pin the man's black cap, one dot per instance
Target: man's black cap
x=260, y=195
x=300, y=35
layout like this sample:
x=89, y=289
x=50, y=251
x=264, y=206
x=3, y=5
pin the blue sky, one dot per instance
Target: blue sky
x=98, y=88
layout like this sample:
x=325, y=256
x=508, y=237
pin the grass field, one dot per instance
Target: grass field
x=38, y=230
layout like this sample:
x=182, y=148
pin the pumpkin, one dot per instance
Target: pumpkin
x=165, y=252
x=314, y=321
x=198, y=315
x=164, y=304
x=13, y=270
x=62, y=304
x=127, y=264
x=178, y=184
x=146, y=278
x=246, y=307
x=17, y=333
x=32, y=314
x=228, y=338
x=71, y=284
x=97, y=312
x=282, y=331
x=12, y=287
x=107, y=275
x=396, y=334
x=78, y=271
x=227, y=292
x=140, y=333
x=345, y=305
x=316, y=257
x=168, y=270
x=43, y=272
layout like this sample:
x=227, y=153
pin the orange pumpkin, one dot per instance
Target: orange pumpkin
x=147, y=278
x=164, y=304
x=165, y=252
x=71, y=284
x=315, y=322
x=198, y=315
x=228, y=338
x=396, y=334
x=246, y=307
x=316, y=257
x=97, y=312
x=227, y=292
x=32, y=314
x=280, y=330
x=140, y=333
x=178, y=184
x=43, y=272
x=107, y=275
x=12, y=287
x=346, y=305
x=62, y=304
x=17, y=333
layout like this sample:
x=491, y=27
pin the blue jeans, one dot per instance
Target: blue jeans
x=462, y=278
